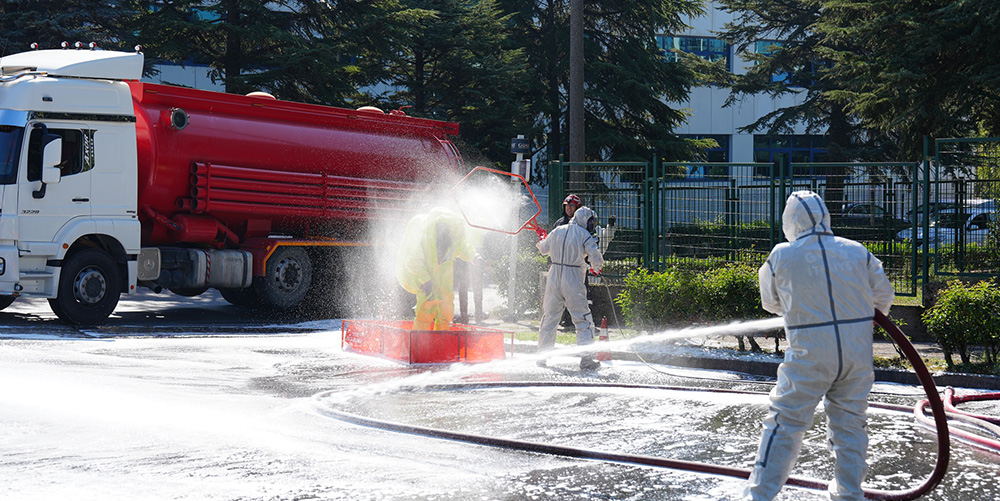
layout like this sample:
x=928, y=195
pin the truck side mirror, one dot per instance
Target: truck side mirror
x=51, y=156
x=51, y=175
x=51, y=151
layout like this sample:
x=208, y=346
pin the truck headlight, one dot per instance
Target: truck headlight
x=3, y=266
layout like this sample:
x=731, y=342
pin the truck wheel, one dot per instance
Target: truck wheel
x=6, y=301
x=242, y=298
x=189, y=291
x=286, y=279
x=89, y=288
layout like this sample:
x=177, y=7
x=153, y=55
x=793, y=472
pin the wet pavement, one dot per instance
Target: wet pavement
x=181, y=400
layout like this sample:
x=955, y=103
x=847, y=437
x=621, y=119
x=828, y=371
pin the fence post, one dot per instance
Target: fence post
x=731, y=218
x=648, y=213
x=927, y=207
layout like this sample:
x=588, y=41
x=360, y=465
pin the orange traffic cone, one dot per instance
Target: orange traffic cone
x=603, y=336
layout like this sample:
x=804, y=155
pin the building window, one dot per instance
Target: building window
x=768, y=47
x=790, y=149
x=711, y=49
x=717, y=154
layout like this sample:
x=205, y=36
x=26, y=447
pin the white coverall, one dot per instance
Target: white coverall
x=567, y=246
x=827, y=288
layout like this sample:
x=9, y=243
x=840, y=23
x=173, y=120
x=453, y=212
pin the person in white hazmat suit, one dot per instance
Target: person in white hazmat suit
x=567, y=246
x=827, y=288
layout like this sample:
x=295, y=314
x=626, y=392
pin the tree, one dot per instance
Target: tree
x=794, y=60
x=301, y=50
x=49, y=23
x=455, y=62
x=628, y=84
x=922, y=68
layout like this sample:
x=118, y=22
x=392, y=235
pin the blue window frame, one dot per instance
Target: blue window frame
x=768, y=47
x=712, y=49
x=786, y=149
x=718, y=154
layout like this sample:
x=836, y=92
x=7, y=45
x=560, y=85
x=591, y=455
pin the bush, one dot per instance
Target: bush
x=964, y=316
x=681, y=296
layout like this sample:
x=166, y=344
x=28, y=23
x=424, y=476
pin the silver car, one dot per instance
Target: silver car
x=972, y=225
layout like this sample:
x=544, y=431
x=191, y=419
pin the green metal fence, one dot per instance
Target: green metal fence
x=611, y=189
x=710, y=210
x=670, y=214
x=963, y=185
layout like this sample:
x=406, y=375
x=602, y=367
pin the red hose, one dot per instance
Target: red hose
x=950, y=399
x=937, y=407
x=933, y=399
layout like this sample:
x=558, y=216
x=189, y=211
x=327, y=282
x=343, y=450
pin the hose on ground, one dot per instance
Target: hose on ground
x=933, y=400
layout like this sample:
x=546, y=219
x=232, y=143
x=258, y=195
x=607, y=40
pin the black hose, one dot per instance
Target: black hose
x=923, y=375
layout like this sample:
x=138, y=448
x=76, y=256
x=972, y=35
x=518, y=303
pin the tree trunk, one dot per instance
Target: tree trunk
x=418, y=84
x=233, y=58
x=839, y=142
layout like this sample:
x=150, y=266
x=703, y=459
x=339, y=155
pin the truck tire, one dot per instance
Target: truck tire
x=189, y=291
x=286, y=279
x=6, y=301
x=326, y=297
x=89, y=288
x=241, y=298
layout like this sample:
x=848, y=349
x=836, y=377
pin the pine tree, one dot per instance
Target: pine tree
x=795, y=61
x=301, y=50
x=921, y=68
x=455, y=62
x=49, y=23
x=628, y=84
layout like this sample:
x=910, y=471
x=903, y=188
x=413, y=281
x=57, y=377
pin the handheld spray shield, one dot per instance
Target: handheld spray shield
x=498, y=201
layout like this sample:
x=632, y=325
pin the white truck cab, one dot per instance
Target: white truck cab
x=69, y=228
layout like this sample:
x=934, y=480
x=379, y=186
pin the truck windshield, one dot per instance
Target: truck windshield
x=10, y=152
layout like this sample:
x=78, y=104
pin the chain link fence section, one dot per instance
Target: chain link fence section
x=964, y=186
x=615, y=191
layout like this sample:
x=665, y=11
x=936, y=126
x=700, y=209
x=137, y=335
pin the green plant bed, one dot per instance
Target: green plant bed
x=962, y=318
x=690, y=292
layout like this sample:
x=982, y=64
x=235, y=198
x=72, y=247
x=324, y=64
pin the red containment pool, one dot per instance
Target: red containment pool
x=396, y=340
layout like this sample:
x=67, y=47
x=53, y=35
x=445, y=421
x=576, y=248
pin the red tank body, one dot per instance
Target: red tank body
x=246, y=166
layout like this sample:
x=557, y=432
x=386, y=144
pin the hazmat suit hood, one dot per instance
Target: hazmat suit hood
x=582, y=215
x=805, y=213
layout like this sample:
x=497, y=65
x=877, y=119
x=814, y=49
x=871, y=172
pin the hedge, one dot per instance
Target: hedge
x=709, y=291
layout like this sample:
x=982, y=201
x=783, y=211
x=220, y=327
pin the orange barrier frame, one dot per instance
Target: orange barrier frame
x=396, y=340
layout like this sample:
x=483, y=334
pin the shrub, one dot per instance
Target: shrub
x=722, y=292
x=964, y=316
x=732, y=292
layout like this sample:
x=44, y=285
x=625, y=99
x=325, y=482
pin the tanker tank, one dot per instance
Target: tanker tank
x=261, y=166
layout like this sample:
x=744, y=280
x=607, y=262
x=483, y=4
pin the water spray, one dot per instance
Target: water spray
x=492, y=219
x=428, y=382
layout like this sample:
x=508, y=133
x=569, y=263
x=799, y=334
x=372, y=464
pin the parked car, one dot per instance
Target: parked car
x=935, y=209
x=866, y=221
x=973, y=225
x=950, y=205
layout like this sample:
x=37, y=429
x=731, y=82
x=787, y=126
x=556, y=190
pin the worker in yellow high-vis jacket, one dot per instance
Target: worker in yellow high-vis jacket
x=426, y=265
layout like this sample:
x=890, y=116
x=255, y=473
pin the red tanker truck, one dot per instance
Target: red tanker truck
x=109, y=184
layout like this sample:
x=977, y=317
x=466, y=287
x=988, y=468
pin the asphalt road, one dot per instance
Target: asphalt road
x=191, y=398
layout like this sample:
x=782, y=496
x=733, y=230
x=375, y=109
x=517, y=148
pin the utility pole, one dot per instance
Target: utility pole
x=577, y=143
